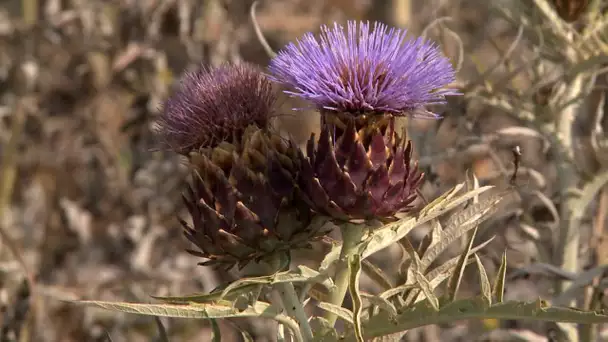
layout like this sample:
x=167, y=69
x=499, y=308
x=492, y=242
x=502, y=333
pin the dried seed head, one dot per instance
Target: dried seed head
x=213, y=105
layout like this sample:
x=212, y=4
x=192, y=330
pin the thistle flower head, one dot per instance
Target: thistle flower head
x=244, y=205
x=212, y=105
x=365, y=70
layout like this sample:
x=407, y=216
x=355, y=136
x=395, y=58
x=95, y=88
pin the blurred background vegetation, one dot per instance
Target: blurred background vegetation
x=88, y=202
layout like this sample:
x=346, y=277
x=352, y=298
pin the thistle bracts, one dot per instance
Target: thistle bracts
x=244, y=202
x=363, y=173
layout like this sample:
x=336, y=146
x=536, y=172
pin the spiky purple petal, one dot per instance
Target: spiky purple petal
x=214, y=104
x=365, y=70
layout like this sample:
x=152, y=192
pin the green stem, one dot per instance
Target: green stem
x=294, y=307
x=351, y=237
x=291, y=302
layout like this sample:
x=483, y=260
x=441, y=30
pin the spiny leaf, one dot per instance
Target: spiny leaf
x=445, y=268
x=339, y=311
x=486, y=288
x=441, y=273
x=426, y=288
x=385, y=236
x=499, y=285
x=452, y=233
x=396, y=290
x=199, y=311
x=331, y=257
x=445, y=197
x=192, y=310
x=411, y=252
x=247, y=286
x=376, y=274
x=474, y=308
x=354, y=264
x=303, y=274
x=474, y=212
x=414, y=265
x=456, y=278
x=380, y=302
x=208, y=297
x=432, y=237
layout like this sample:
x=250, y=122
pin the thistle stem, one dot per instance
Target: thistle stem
x=294, y=307
x=351, y=237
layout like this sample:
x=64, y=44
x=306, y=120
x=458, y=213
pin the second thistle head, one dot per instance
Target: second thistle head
x=243, y=198
x=364, y=71
x=212, y=105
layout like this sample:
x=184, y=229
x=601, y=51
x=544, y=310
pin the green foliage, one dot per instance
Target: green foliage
x=400, y=307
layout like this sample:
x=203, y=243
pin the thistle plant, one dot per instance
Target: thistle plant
x=255, y=197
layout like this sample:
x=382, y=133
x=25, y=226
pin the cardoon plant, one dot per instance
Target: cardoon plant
x=360, y=80
x=255, y=197
x=243, y=197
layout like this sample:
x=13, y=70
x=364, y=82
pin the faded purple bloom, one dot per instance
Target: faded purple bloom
x=365, y=71
x=213, y=105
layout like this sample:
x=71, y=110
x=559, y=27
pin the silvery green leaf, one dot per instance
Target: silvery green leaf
x=441, y=273
x=354, y=265
x=383, y=237
x=498, y=289
x=208, y=297
x=303, y=274
x=376, y=274
x=427, y=289
x=473, y=308
x=486, y=288
x=473, y=215
x=339, y=311
x=380, y=302
x=413, y=256
x=431, y=238
x=456, y=278
x=331, y=257
x=445, y=197
x=396, y=290
x=222, y=309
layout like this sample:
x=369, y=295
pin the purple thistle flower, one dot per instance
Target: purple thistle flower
x=212, y=105
x=365, y=71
